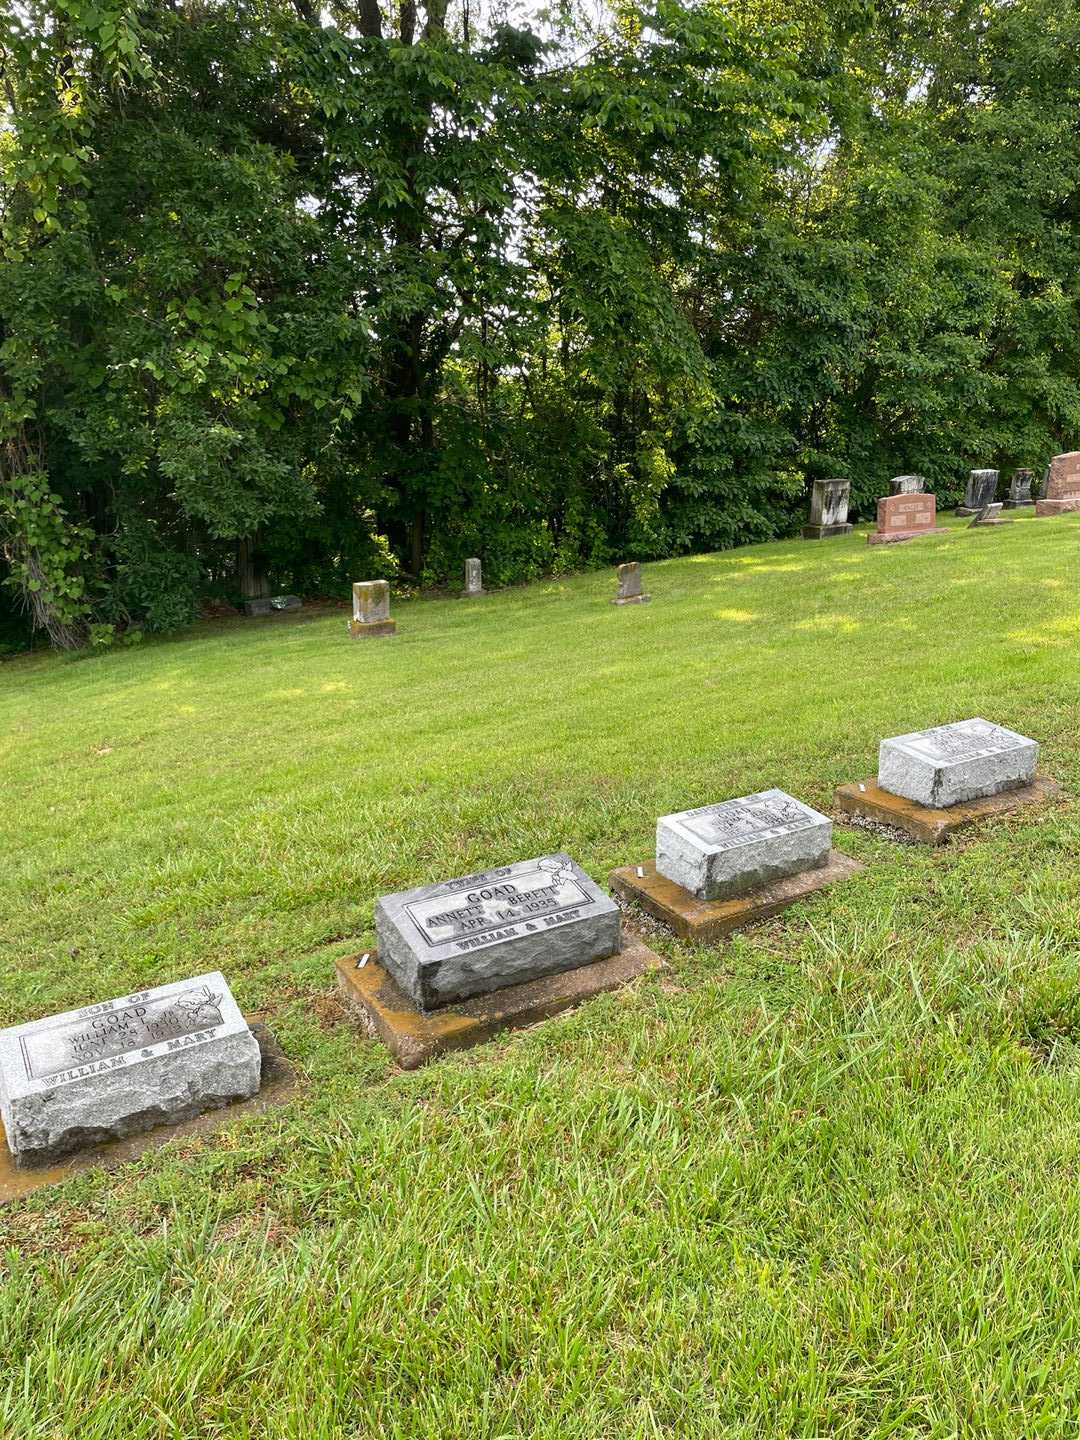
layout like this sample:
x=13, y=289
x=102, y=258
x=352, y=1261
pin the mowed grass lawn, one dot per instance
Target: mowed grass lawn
x=819, y=1181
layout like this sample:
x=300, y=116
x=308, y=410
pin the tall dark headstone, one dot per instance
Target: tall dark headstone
x=1020, y=490
x=979, y=492
x=828, y=510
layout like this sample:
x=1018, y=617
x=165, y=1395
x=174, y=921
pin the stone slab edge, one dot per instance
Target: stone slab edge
x=631, y=599
x=278, y=1081
x=877, y=538
x=361, y=631
x=705, y=920
x=931, y=826
x=1056, y=507
x=414, y=1037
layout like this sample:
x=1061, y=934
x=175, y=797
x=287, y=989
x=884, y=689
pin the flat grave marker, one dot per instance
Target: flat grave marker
x=478, y=933
x=720, y=867
x=932, y=783
x=121, y=1066
x=947, y=764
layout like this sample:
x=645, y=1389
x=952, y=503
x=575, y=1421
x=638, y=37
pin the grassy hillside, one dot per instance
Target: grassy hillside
x=818, y=1181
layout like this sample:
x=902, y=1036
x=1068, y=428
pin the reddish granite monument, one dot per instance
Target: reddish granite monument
x=1061, y=491
x=903, y=517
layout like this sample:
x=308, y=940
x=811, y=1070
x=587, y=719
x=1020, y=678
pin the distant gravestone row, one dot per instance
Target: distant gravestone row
x=461, y=959
x=910, y=510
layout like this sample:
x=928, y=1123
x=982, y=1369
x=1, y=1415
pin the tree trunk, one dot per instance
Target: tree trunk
x=251, y=573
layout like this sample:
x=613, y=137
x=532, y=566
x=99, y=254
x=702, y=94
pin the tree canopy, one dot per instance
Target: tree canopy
x=295, y=295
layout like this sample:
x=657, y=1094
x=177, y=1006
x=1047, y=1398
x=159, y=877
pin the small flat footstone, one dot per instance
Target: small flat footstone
x=948, y=764
x=930, y=826
x=415, y=1036
x=719, y=851
x=704, y=921
x=113, y=1069
x=443, y=943
x=277, y=1083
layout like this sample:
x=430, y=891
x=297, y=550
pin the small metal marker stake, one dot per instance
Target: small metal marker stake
x=363, y=960
x=641, y=872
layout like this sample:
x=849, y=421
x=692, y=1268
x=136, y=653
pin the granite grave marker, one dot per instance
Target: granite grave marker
x=122, y=1066
x=1061, y=488
x=907, y=485
x=949, y=764
x=904, y=517
x=501, y=927
x=829, y=501
x=980, y=490
x=629, y=585
x=1020, y=490
x=723, y=850
x=371, y=609
x=474, y=583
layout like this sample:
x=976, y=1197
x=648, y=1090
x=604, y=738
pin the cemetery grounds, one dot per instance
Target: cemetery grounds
x=820, y=1180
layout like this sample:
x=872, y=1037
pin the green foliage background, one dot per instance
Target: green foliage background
x=367, y=289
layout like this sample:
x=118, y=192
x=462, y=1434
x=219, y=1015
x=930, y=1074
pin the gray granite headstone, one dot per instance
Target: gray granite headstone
x=949, y=764
x=980, y=491
x=122, y=1066
x=500, y=927
x=629, y=587
x=1020, y=490
x=907, y=485
x=828, y=510
x=719, y=851
x=474, y=584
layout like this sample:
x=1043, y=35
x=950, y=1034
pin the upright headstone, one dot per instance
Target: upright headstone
x=474, y=582
x=907, y=485
x=500, y=927
x=979, y=492
x=629, y=591
x=1061, y=488
x=1020, y=490
x=371, y=609
x=720, y=851
x=949, y=764
x=903, y=517
x=122, y=1066
x=829, y=501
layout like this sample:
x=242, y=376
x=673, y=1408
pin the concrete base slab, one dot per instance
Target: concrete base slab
x=361, y=630
x=631, y=599
x=277, y=1084
x=1019, y=504
x=705, y=920
x=867, y=801
x=877, y=537
x=825, y=532
x=1057, y=507
x=414, y=1036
